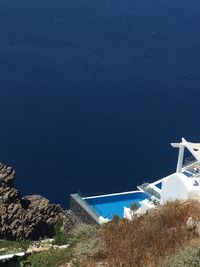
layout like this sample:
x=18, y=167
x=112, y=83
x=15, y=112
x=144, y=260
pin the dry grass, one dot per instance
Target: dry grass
x=148, y=240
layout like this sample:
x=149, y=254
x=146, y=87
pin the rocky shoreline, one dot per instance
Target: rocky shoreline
x=29, y=217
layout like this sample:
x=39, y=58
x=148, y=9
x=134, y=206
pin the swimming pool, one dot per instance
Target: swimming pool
x=109, y=205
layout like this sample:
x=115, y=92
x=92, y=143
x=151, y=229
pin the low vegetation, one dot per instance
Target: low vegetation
x=134, y=206
x=84, y=242
x=149, y=240
x=7, y=246
x=160, y=238
x=186, y=257
x=51, y=258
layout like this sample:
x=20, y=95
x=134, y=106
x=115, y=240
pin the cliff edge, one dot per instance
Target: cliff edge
x=30, y=217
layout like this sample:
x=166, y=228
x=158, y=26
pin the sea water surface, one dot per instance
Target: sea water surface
x=92, y=92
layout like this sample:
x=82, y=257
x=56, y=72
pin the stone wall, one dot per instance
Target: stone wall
x=81, y=210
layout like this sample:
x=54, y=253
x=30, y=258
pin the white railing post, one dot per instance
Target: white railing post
x=180, y=158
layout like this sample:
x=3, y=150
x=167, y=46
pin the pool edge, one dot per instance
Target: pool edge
x=82, y=210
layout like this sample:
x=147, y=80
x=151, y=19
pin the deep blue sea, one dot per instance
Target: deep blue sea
x=92, y=92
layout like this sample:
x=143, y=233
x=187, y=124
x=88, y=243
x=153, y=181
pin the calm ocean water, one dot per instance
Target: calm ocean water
x=93, y=91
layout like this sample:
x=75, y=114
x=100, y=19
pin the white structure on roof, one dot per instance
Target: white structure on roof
x=194, y=149
x=185, y=183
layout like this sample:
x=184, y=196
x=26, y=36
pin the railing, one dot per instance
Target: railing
x=96, y=210
x=188, y=161
x=150, y=191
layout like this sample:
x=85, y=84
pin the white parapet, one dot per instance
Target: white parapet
x=179, y=187
x=128, y=214
x=103, y=220
x=146, y=205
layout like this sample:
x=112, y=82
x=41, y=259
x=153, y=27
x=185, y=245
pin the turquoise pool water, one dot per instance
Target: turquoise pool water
x=108, y=206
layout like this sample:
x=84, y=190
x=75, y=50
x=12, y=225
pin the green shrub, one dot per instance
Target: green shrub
x=83, y=243
x=156, y=202
x=25, y=263
x=115, y=218
x=188, y=257
x=82, y=232
x=60, y=237
x=7, y=246
x=134, y=206
x=87, y=244
x=51, y=258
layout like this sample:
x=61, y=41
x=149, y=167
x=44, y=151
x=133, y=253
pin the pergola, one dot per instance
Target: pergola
x=194, y=149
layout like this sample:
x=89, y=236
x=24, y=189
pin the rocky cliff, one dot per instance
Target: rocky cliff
x=29, y=217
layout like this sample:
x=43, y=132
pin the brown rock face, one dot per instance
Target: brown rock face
x=29, y=217
x=70, y=221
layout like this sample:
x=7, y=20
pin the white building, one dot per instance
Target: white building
x=182, y=185
x=185, y=182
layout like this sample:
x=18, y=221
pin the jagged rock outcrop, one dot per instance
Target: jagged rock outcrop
x=30, y=217
x=70, y=221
